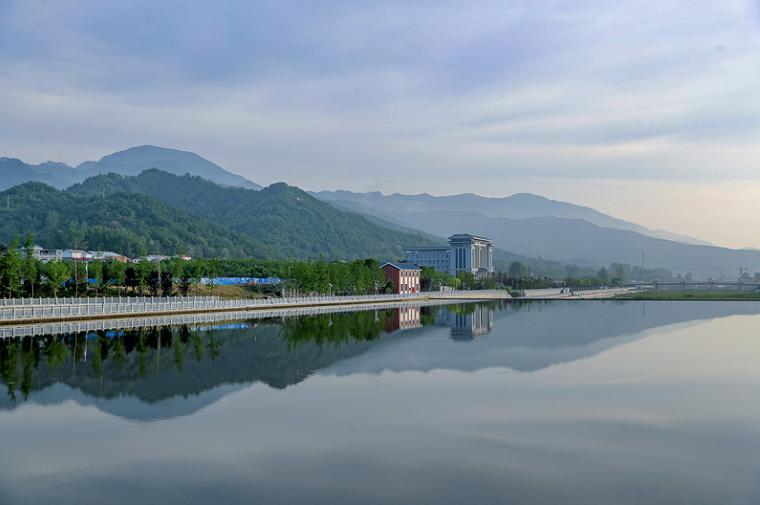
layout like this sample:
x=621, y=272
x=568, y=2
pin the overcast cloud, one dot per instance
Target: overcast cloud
x=593, y=101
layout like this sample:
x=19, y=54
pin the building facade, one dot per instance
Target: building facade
x=465, y=253
x=404, y=276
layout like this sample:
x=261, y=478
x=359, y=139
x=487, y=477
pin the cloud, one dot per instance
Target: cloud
x=357, y=94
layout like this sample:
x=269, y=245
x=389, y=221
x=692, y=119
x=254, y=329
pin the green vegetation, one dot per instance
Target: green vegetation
x=22, y=275
x=130, y=224
x=712, y=295
x=287, y=221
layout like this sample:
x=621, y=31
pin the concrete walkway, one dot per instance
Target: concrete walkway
x=559, y=294
x=76, y=309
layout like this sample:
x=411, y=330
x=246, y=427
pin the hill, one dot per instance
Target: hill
x=287, y=220
x=135, y=160
x=130, y=161
x=14, y=172
x=132, y=224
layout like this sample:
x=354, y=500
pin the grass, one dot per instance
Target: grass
x=692, y=295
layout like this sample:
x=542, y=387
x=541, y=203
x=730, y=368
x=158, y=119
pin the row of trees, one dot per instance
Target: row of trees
x=21, y=275
x=520, y=275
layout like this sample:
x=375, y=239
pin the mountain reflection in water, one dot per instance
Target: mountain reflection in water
x=163, y=372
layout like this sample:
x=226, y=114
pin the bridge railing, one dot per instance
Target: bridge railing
x=69, y=308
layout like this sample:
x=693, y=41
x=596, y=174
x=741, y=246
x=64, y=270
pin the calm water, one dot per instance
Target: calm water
x=534, y=403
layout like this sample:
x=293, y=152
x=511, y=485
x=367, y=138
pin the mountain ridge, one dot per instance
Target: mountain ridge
x=130, y=161
x=284, y=218
x=515, y=206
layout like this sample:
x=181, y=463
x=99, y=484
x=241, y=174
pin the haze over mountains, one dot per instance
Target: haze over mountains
x=130, y=161
x=517, y=206
x=287, y=222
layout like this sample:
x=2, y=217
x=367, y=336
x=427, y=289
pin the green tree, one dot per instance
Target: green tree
x=154, y=283
x=57, y=272
x=30, y=270
x=10, y=271
x=467, y=279
x=167, y=283
x=130, y=278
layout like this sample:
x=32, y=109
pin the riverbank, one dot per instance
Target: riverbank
x=33, y=310
x=729, y=296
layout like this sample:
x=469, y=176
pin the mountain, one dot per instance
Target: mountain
x=517, y=206
x=287, y=220
x=14, y=172
x=579, y=242
x=132, y=224
x=135, y=160
x=131, y=161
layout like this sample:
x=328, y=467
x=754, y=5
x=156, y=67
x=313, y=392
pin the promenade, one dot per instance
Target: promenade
x=40, y=310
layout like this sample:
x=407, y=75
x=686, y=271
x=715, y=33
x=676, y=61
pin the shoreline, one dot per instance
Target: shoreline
x=89, y=311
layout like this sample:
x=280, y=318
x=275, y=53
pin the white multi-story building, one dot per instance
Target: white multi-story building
x=465, y=253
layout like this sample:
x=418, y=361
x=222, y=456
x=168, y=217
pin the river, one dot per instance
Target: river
x=573, y=402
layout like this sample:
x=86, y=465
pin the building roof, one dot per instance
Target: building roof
x=466, y=236
x=401, y=266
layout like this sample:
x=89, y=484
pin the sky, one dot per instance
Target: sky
x=648, y=110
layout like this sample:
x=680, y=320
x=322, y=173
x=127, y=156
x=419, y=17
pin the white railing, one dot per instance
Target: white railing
x=99, y=300
x=126, y=322
x=80, y=308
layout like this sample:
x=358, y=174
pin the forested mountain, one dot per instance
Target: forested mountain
x=130, y=161
x=132, y=224
x=287, y=220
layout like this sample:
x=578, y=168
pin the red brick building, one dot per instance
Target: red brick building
x=405, y=277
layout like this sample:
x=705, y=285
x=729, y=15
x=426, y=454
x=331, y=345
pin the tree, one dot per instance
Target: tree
x=167, y=283
x=213, y=269
x=603, y=275
x=518, y=270
x=118, y=273
x=30, y=271
x=467, y=279
x=57, y=272
x=130, y=278
x=10, y=271
x=154, y=283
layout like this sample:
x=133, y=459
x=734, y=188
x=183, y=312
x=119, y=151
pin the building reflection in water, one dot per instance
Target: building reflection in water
x=466, y=321
x=403, y=318
x=474, y=321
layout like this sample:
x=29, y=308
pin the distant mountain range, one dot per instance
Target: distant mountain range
x=535, y=226
x=131, y=161
x=517, y=206
x=287, y=222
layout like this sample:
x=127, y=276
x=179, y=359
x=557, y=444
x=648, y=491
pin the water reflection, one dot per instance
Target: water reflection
x=590, y=402
x=155, y=364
